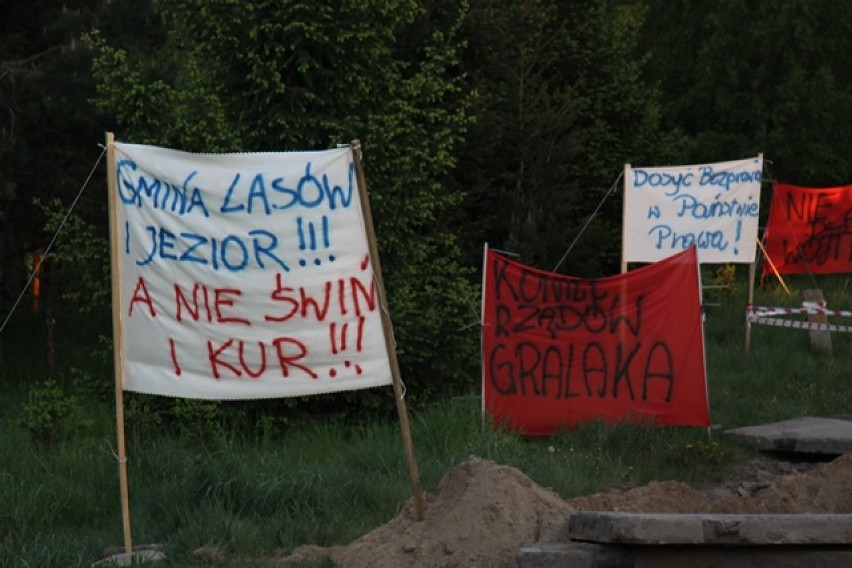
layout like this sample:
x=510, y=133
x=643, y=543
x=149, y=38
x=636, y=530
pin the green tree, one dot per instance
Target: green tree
x=291, y=75
x=742, y=78
x=48, y=144
x=563, y=105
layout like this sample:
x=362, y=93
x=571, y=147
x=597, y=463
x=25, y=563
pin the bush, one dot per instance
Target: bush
x=51, y=415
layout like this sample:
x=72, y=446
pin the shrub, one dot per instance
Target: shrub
x=51, y=415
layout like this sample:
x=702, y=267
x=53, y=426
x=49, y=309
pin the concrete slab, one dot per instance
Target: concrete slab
x=808, y=434
x=608, y=527
x=739, y=557
x=588, y=555
x=573, y=555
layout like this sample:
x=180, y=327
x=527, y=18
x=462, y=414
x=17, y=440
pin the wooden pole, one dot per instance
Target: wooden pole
x=772, y=266
x=482, y=335
x=116, y=342
x=749, y=303
x=751, y=278
x=627, y=170
x=388, y=330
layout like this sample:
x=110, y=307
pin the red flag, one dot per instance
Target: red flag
x=809, y=230
x=559, y=350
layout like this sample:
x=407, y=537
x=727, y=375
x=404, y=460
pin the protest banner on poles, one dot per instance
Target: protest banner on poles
x=246, y=276
x=712, y=206
x=809, y=230
x=558, y=351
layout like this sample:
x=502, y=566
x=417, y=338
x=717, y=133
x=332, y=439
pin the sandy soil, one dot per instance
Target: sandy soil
x=483, y=512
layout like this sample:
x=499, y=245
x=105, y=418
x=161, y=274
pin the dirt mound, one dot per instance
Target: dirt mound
x=479, y=516
x=825, y=488
x=482, y=513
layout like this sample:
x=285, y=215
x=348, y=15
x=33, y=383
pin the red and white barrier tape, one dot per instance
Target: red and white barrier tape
x=811, y=308
x=764, y=315
x=801, y=324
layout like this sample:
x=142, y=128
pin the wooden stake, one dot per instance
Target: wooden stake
x=772, y=266
x=751, y=277
x=820, y=338
x=482, y=336
x=749, y=302
x=386, y=325
x=627, y=170
x=112, y=188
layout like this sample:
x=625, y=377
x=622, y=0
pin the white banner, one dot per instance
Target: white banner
x=714, y=206
x=244, y=276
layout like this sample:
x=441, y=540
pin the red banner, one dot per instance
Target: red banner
x=559, y=350
x=809, y=230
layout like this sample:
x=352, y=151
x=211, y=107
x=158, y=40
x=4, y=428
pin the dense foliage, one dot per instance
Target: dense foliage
x=562, y=107
x=741, y=78
x=506, y=122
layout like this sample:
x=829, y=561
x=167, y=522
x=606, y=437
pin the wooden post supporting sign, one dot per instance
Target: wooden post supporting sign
x=388, y=331
x=118, y=366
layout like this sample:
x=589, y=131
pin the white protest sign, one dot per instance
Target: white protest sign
x=714, y=206
x=244, y=276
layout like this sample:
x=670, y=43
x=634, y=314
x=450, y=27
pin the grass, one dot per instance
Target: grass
x=328, y=481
